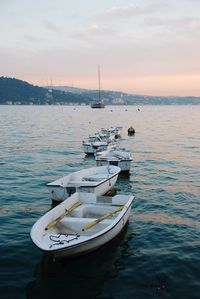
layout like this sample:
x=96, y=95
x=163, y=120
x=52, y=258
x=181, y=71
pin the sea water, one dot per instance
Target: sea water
x=156, y=256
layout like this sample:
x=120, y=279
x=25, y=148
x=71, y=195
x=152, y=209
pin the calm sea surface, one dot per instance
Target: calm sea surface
x=157, y=256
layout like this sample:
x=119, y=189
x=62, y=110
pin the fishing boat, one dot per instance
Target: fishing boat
x=98, y=180
x=99, y=103
x=80, y=224
x=118, y=157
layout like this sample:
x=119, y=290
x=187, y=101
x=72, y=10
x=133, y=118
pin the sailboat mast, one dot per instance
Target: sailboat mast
x=99, y=82
x=99, y=103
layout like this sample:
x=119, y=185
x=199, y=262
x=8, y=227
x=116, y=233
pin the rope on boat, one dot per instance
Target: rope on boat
x=61, y=242
x=109, y=175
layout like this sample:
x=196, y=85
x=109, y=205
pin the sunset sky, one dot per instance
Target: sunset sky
x=147, y=47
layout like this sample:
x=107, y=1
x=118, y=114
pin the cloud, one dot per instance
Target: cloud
x=31, y=38
x=129, y=10
x=194, y=24
x=96, y=29
x=170, y=22
x=185, y=27
x=103, y=22
x=51, y=26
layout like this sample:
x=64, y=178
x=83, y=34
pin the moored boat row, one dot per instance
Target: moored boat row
x=85, y=218
x=102, y=140
x=107, y=150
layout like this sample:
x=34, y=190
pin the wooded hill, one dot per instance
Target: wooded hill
x=14, y=91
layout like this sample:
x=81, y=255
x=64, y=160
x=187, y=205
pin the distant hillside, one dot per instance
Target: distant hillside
x=110, y=97
x=14, y=91
x=68, y=89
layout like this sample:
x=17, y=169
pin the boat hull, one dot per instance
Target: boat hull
x=95, y=243
x=97, y=105
x=124, y=165
x=92, y=149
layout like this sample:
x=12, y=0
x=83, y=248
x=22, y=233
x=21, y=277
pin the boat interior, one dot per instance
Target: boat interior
x=79, y=178
x=83, y=216
x=86, y=216
x=93, y=212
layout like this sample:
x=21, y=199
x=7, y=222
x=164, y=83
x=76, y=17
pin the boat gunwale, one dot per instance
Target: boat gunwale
x=112, y=159
x=71, y=184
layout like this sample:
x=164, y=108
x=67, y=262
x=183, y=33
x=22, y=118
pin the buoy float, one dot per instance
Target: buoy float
x=131, y=131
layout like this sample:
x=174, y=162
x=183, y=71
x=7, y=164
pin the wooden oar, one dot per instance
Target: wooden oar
x=91, y=224
x=54, y=222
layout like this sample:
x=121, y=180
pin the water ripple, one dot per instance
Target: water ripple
x=158, y=254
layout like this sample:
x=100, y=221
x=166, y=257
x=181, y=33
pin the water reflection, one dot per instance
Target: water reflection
x=42, y=143
x=81, y=277
x=124, y=175
x=167, y=219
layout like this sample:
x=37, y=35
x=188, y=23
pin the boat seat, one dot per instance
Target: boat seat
x=91, y=211
x=94, y=177
x=73, y=225
x=102, y=199
x=75, y=183
x=81, y=183
x=81, y=220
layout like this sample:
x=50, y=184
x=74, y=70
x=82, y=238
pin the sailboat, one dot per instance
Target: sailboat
x=99, y=103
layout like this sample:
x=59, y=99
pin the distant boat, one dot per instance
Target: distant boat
x=99, y=103
x=98, y=180
x=80, y=224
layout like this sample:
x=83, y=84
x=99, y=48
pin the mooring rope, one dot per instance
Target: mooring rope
x=61, y=242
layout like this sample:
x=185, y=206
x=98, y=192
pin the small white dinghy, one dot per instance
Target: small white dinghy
x=93, y=144
x=98, y=143
x=98, y=180
x=112, y=132
x=118, y=157
x=81, y=223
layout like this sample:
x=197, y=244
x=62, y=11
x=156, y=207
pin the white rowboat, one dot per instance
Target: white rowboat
x=81, y=223
x=98, y=180
x=117, y=157
x=112, y=132
x=98, y=143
